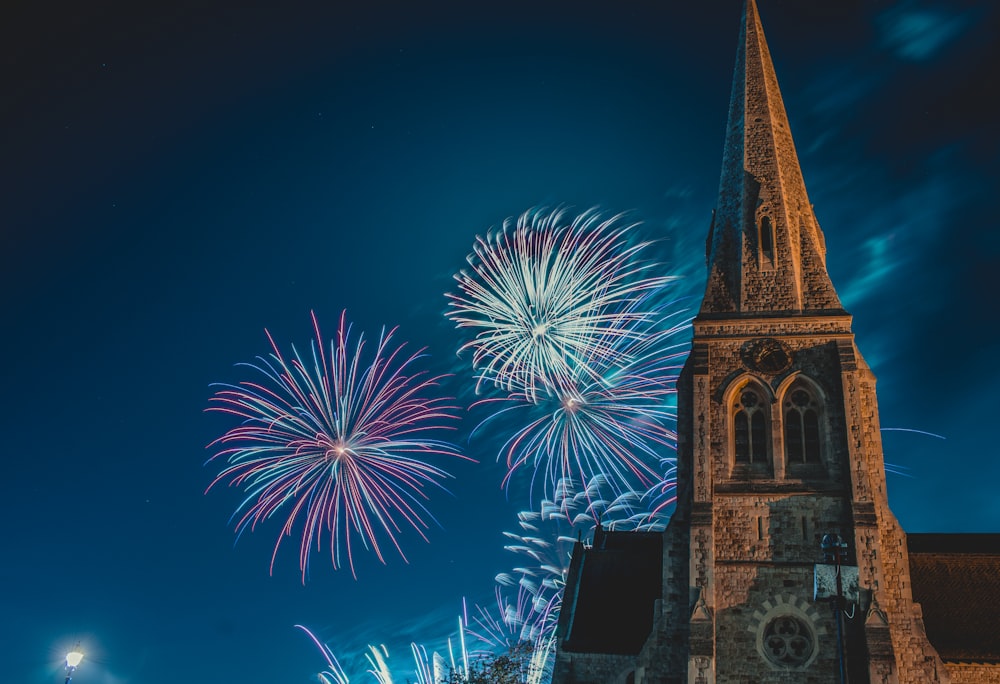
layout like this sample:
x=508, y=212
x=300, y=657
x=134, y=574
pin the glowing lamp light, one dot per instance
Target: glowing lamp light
x=74, y=657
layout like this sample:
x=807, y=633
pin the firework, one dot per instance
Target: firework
x=429, y=669
x=899, y=469
x=547, y=536
x=377, y=666
x=503, y=625
x=545, y=544
x=657, y=501
x=335, y=443
x=614, y=421
x=545, y=540
x=547, y=292
x=507, y=627
x=334, y=674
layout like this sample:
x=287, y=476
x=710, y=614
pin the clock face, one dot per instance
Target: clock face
x=765, y=355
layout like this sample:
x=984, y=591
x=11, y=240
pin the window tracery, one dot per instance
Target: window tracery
x=750, y=427
x=802, y=425
x=788, y=641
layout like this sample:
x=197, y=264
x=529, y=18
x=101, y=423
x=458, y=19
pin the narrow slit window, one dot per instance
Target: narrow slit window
x=766, y=232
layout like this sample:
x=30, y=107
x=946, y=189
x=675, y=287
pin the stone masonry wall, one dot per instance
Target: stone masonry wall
x=749, y=595
x=974, y=673
x=762, y=192
x=883, y=559
x=663, y=657
x=766, y=523
x=773, y=528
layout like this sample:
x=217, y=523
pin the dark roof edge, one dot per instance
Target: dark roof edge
x=987, y=543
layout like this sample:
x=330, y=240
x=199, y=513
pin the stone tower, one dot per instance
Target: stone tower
x=779, y=442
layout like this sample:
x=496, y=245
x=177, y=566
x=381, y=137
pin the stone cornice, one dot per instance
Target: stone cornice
x=778, y=326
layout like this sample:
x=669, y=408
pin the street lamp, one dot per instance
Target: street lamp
x=839, y=584
x=835, y=552
x=73, y=659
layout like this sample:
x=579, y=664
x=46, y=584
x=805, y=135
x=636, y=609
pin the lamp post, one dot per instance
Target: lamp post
x=835, y=550
x=73, y=659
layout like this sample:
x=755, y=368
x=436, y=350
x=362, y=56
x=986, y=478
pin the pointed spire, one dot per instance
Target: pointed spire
x=766, y=252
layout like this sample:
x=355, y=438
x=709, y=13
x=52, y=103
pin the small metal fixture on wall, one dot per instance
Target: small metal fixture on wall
x=837, y=583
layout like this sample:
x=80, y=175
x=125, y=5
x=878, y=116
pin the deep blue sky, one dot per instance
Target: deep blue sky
x=177, y=178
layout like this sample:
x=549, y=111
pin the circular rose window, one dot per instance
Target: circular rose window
x=788, y=641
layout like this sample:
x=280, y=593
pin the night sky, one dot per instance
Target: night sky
x=177, y=178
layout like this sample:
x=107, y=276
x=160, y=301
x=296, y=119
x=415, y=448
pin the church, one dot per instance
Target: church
x=782, y=561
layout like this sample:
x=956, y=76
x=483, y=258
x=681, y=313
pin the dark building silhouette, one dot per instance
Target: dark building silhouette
x=779, y=445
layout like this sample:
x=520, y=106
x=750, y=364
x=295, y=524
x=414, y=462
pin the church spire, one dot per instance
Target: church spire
x=766, y=252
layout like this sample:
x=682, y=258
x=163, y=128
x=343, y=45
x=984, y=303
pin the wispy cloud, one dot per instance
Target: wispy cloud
x=897, y=227
x=918, y=34
x=886, y=235
x=836, y=92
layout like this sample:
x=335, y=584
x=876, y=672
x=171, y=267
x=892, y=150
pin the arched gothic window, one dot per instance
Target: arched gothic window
x=802, y=432
x=750, y=427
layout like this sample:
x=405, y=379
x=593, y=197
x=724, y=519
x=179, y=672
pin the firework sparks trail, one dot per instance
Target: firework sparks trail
x=427, y=668
x=610, y=421
x=542, y=659
x=335, y=443
x=503, y=625
x=378, y=668
x=899, y=469
x=547, y=537
x=548, y=291
x=500, y=628
x=545, y=541
x=335, y=674
x=658, y=499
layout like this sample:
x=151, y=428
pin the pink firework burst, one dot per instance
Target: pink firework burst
x=335, y=445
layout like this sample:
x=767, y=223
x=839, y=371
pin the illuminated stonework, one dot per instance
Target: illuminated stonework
x=788, y=632
x=778, y=444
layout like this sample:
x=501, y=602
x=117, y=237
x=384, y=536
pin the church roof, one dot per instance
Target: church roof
x=611, y=591
x=956, y=580
x=766, y=252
